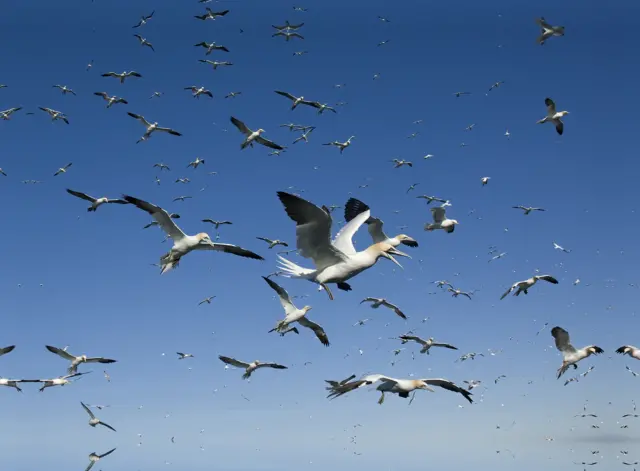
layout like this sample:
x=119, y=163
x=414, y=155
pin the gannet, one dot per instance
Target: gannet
x=470, y=127
x=182, y=243
x=288, y=26
x=558, y=247
x=156, y=94
x=232, y=94
x=571, y=355
x=426, y=344
x=507, y=133
x=293, y=127
x=527, y=209
x=440, y=221
x=399, y=163
x=215, y=64
x=60, y=381
x=322, y=107
x=210, y=47
x=456, y=292
x=62, y=169
x=295, y=102
x=161, y=166
x=111, y=99
x=305, y=135
x=151, y=127
x=197, y=91
x=206, y=300
x=182, y=356
x=216, y=223
x=3, y=85
x=334, y=384
x=77, y=360
x=472, y=384
x=196, y=162
x=524, y=286
x=355, y=207
x=496, y=257
x=401, y=387
x=94, y=420
x=273, y=243
x=93, y=457
x=412, y=187
x=123, y=75
x=95, y=202
x=300, y=53
x=382, y=43
x=212, y=15
x=64, y=89
x=553, y=116
x=340, y=145
x=630, y=350
x=485, y=180
x=459, y=94
x=144, y=42
x=548, y=30
x=287, y=35
x=250, y=367
x=496, y=85
x=252, y=136
x=55, y=115
x=13, y=383
x=377, y=302
x=337, y=261
x=431, y=199
x=293, y=314
x=6, y=114
x=144, y=19
x=181, y=198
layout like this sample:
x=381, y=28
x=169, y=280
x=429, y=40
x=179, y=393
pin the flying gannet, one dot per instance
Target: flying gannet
x=548, y=30
x=288, y=26
x=527, y=209
x=197, y=91
x=252, y=136
x=144, y=42
x=293, y=314
x=217, y=224
x=95, y=202
x=377, y=302
x=232, y=94
x=183, y=243
x=334, y=384
x=182, y=356
x=322, y=107
x=337, y=261
x=77, y=360
x=212, y=15
x=287, y=35
x=5, y=350
x=6, y=114
x=456, y=292
x=111, y=100
x=485, y=180
x=570, y=355
x=431, y=199
x=295, y=101
x=13, y=383
x=440, y=221
x=60, y=381
x=250, y=367
x=123, y=75
x=144, y=19
x=399, y=163
x=401, y=387
x=62, y=169
x=426, y=344
x=562, y=249
x=210, y=47
x=196, y=162
x=94, y=420
x=206, y=300
x=215, y=64
x=553, y=116
x=55, y=115
x=94, y=458
x=630, y=350
x=273, y=243
x=525, y=286
x=64, y=89
x=151, y=127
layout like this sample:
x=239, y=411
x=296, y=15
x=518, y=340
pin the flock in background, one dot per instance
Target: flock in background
x=334, y=258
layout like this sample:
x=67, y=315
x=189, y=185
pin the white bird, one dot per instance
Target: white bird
x=111, y=100
x=548, y=30
x=485, y=180
x=250, y=367
x=144, y=42
x=457, y=292
x=287, y=35
x=217, y=224
x=558, y=247
x=55, y=115
x=252, y=136
x=123, y=75
x=196, y=162
x=6, y=114
x=94, y=420
x=527, y=209
x=507, y=133
x=340, y=145
x=401, y=387
x=197, y=91
x=294, y=100
x=144, y=19
x=571, y=355
x=554, y=116
x=64, y=89
x=5, y=350
x=60, y=381
x=337, y=261
x=77, y=360
x=13, y=383
x=525, y=286
x=62, y=169
x=151, y=127
x=94, y=458
x=459, y=94
x=183, y=243
x=305, y=135
x=377, y=302
x=288, y=26
x=212, y=15
x=210, y=47
x=322, y=107
x=215, y=64
x=206, y=300
x=182, y=356
x=630, y=350
x=273, y=243
x=95, y=202
x=293, y=314
x=426, y=344
x=431, y=199
x=399, y=163
x=440, y=221
x=496, y=257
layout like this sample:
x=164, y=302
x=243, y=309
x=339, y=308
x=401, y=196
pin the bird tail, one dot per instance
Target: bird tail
x=429, y=227
x=168, y=263
x=290, y=269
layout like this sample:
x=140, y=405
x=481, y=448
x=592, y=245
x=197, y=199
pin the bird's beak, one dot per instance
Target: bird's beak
x=386, y=255
x=395, y=251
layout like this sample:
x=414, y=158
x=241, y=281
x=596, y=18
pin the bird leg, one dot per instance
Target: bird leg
x=381, y=400
x=326, y=288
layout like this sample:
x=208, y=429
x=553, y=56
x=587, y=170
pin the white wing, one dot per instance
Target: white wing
x=375, y=230
x=343, y=240
x=285, y=300
x=160, y=215
x=439, y=214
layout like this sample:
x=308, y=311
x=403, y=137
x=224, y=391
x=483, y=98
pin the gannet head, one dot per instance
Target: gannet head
x=260, y=131
x=594, y=350
x=204, y=239
x=454, y=221
x=562, y=113
x=425, y=386
x=406, y=240
x=385, y=250
x=306, y=308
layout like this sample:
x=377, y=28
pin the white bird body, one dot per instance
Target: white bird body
x=440, y=221
x=77, y=360
x=340, y=145
x=554, y=116
x=111, y=100
x=251, y=136
x=525, y=285
x=55, y=115
x=151, y=127
x=570, y=354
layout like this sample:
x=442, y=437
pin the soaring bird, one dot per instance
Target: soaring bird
x=377, y=302
x=287, y=35
x=570, y=355
x=528, y=209
x=123, y=75
x=144, y=19
x=64, y=89
x=6, y=114
x=440, y=221
x=210, y=47
x=5, y=350
x=94, y=458
x=251, y=136
x=548, y=30
x=525, y=286
x=94, y=420
x=197, y=91
x=144, y=42
x=62, y=169
x=182, y=356
x=77, y=360
x=273, y=243
x=95, y=202
x=295, y=101
x=183, y=243
x=426, y=344
x=217, y=224
x=212, y=15
x=111, y=100
x=250, y=367
x=55, y=115
x=151, y=127
x=554, y=116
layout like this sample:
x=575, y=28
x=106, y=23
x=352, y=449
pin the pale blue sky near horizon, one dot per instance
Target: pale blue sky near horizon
x=85, y=280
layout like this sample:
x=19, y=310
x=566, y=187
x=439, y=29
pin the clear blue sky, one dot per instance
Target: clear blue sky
x=81, y=279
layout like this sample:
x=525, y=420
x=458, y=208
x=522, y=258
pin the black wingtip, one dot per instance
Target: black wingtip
x=353, y=208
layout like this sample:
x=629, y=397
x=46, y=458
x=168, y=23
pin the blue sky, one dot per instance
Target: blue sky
x=81, y=279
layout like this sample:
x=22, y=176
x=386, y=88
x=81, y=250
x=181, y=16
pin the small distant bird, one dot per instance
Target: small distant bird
x=300, y=9
x=340, y=145
x=144, y=19
x=382, y=43
x=412, y=187
x=2, y=172
x=156, y=94
x=233, y=94
x=111, y=100
x=64, y=89
x=217, y=224
x=496, y=257
x=182, y=198
x=440, y=221
x=426, y=344
x=273, y=243
x=399, y=163
x=287, y=35
x=89, y=65
x=456, y=292
x=527, y=209
x=305, y=135
x=215, y=64
x=558, y=247
x=182, y=356
x=377, y=302
x=507, y=133
x=459, y=94
x=212, y=15
x=151, y=127
x=62, y=169
x=207, y=300
x=55, y=115
x=469, y=128
x=197, y=91
x=161, y=166
x=94, y=458
x=94, y=420
x=300, y=53
x=77, y=360
x=548, y=30
x=288, y=26
x=144, y=42
x=123, y=75
x=431, y=199
x=95, y=202
x=250, y=367
x=210, y=47
x=485, y=180
x=251, y=136
x=196, y=162
x=526, y=285
x=384, y=20
x=496, y=85
x=553, y=116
